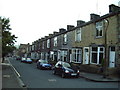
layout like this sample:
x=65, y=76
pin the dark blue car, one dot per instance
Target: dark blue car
x=43, y=64
x=65, y=70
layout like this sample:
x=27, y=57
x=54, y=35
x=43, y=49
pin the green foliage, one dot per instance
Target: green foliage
x=8, y=40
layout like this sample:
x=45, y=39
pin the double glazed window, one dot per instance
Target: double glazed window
x=65, y=39
x=64, y=56
x=97, y=55
x=55, y=41
x=76, y=55
x=78, y=35
x=48, y=43
x=99, y=29
x=43, y=45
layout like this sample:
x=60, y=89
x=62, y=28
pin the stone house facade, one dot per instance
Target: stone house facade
x=90, y=44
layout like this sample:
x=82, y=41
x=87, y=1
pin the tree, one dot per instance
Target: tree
x=8, y=40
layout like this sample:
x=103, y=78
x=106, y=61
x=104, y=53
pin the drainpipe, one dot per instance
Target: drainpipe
x=106, y=50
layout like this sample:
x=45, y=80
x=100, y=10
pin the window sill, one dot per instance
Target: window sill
x=76, y=62
x=77, y=41
x=64, y=43
x=97, y=37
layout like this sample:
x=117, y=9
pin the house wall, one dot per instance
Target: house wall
x=111, y=26
x=89, y=38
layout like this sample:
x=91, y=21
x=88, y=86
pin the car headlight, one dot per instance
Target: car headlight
x=43, y=65
x=78, y=71
x=66, y=71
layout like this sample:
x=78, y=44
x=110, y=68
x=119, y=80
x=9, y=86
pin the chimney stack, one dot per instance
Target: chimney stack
x=94, y=16
x=119, y=3
x=70, y=27
x=113, y=8
x=62, y=30
x=80, y=22
x=55, y=32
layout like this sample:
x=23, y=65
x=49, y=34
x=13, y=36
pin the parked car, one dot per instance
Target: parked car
x=26, y=60
x=18, y=58
x=43, y=64
x=23, y=59
x=65, y=70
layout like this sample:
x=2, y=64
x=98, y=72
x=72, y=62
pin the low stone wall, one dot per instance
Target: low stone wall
x=90, y=68
x=98, y=70
x=112, y=71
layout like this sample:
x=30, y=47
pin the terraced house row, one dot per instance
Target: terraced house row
x=89, y=44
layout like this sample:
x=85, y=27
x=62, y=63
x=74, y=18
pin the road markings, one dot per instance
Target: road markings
x=5, y=64
x=6, y=76
x=18, y=76
x=52, y=80
x=14, y=69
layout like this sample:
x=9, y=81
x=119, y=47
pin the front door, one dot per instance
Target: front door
x=86, y=55
x=112, y=57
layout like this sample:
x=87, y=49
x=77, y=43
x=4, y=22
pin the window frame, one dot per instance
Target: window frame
x=98, y=55
x=48, y=43
x=65, y=39
x=43, y=45
x=78, y=35
x=99, y=27
x=55, y=41
x=77, y=53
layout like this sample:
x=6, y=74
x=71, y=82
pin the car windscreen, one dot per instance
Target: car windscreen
x=66, y=65
x=44, y=61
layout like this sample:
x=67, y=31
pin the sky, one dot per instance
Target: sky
x=31, y=20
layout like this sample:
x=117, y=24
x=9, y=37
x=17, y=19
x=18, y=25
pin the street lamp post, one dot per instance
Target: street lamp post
x=106, y=50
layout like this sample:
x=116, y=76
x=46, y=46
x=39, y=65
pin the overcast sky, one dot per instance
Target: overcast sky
x=32, y=19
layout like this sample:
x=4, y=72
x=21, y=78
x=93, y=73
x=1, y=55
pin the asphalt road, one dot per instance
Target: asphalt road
x=35, y=78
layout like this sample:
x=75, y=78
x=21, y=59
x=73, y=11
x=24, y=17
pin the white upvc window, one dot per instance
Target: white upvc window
x=33, y=47
x=99, y=29
x=65, y=39
x=39, y=45
x=77, y=55
x=42, y=55
x=43, y=45
x=48, y=43
x=78, y=35
x=97, y=55
x=55, y=41
x=64, y=56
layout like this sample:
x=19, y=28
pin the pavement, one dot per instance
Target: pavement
x=99, y=78
x=10, y=78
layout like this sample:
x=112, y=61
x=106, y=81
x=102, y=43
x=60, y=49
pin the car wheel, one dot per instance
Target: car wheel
x=40, y=67
x=63, y=75
x=77, y=76
x=37, y=67
x=54, y=72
